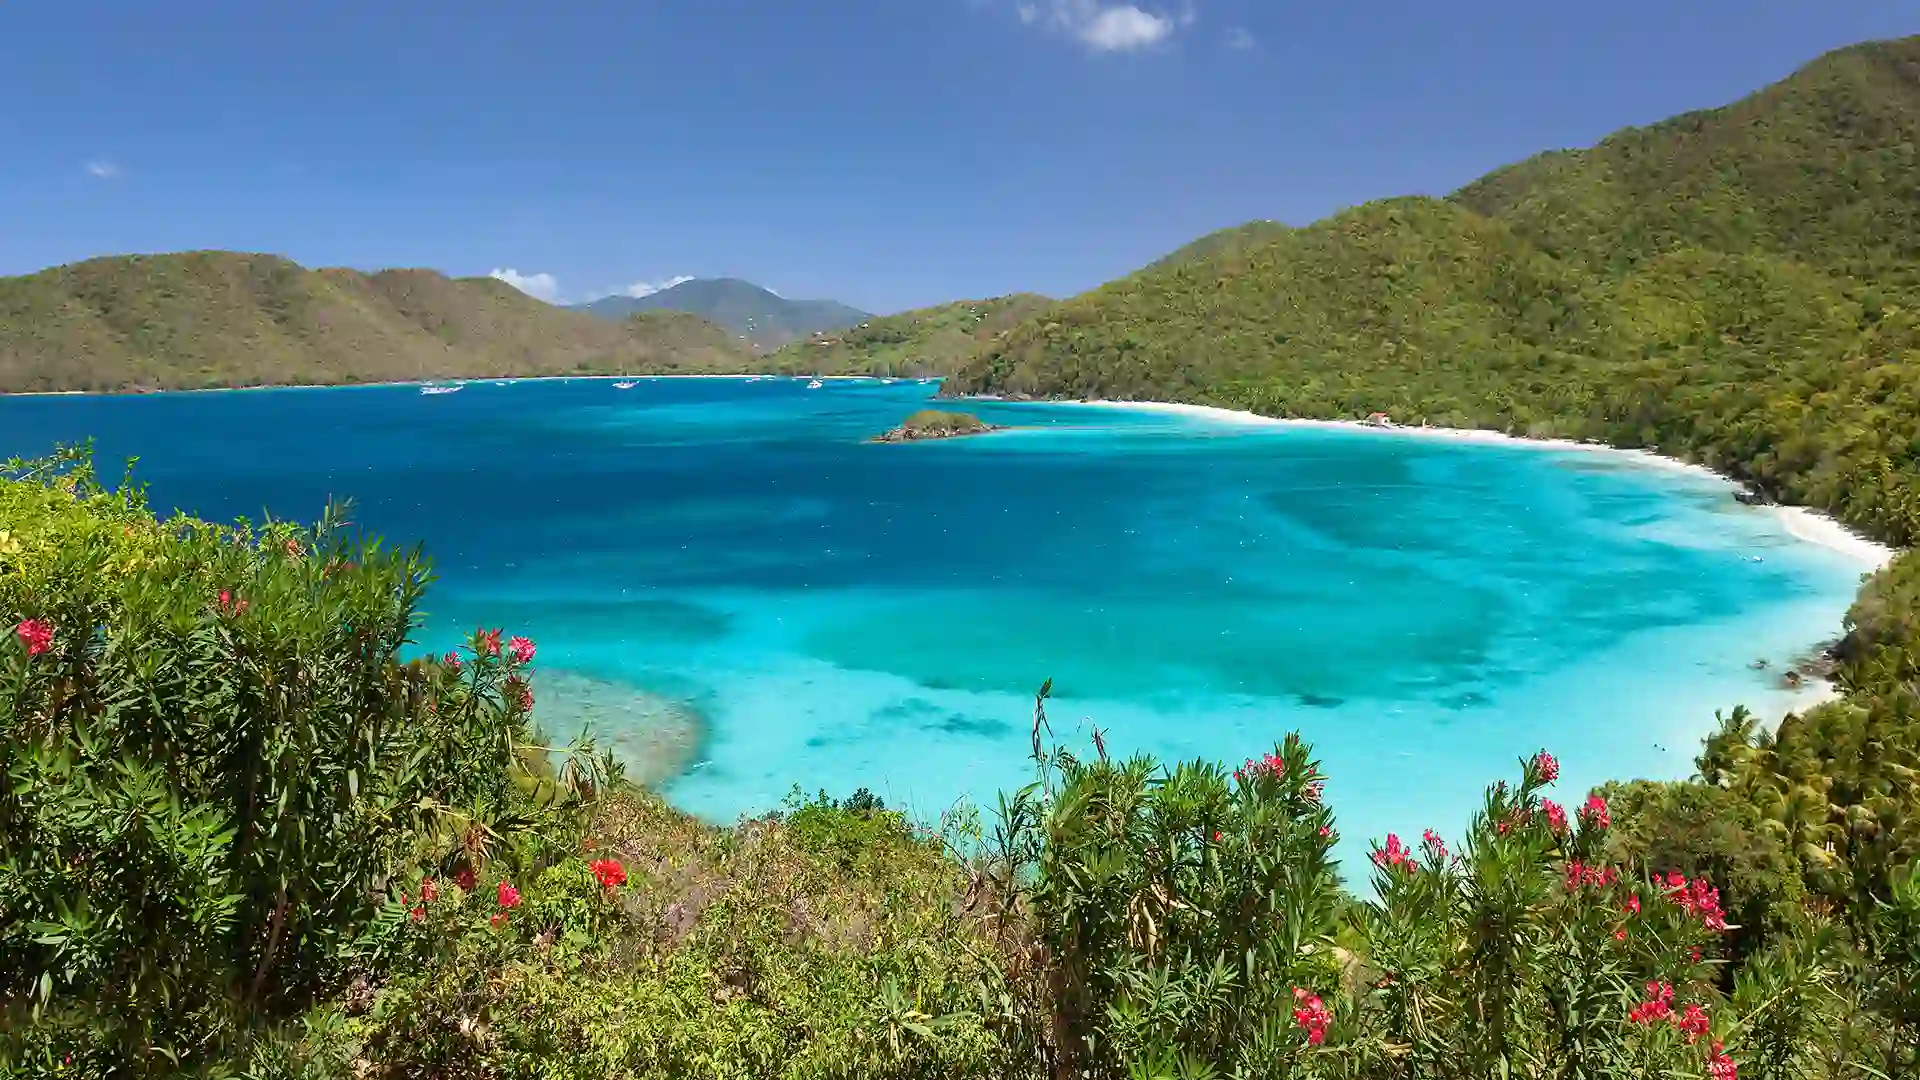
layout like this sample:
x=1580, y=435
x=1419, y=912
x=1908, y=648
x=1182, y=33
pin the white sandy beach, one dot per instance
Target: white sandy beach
x=1809, y=525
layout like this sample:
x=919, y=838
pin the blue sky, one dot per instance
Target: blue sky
x=887, y=153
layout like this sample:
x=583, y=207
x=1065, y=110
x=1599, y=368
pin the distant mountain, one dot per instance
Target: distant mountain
x=927, y=341
x=764, y=318
x=217, y=318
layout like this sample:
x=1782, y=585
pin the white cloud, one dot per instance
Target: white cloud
x=1104, y=26
x=1239, y=40
x=640, y=288
x=539, y=286
x=647, y=288
x=103, y=170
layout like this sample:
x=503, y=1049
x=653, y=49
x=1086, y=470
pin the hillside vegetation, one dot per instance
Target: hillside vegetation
x=913, y=344
x=761, y=318
x=211, y=319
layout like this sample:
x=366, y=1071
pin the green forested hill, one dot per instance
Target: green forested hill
x=926, y=341
x=207, y=319
x=1734, y=285
x=1822, y=167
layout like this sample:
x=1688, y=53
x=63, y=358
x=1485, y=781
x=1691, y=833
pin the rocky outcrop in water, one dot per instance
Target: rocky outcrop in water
x=935, y=424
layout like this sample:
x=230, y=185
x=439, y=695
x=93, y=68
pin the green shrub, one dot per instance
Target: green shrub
x=216, y=764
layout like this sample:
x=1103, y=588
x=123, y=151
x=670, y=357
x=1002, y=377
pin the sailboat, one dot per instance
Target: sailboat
x=432, y=389
x=815, y=384
x=625, y=385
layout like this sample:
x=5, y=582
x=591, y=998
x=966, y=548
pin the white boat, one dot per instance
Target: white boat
x=625, y=385
x=815, y=384
x=441, y=389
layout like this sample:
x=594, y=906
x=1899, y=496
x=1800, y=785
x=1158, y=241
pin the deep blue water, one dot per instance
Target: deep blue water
x=838, y=615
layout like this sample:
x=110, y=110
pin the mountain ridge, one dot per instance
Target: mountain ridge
x=760, y=316
x=212, y=318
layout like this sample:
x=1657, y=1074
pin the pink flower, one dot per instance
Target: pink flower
x=429, y=892
x=1549, y=768
x=418, y=914
x=1658, y=1006
x=1720, y=1066
x=1595, y=812
x=1692, y=1022
x=1434, y=844
x=1620, y=934
x=509, y=896
x=451, y=661
x=1312, y=1015
x=521, y=648
x=1394, y=854
x=1556, y=815
x=37, y=635
x=1633, y=905
x=487, y=642
x=464, y=878
x=1266, y=765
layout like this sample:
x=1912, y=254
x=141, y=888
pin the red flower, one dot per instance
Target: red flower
x=487, y=642
x=1595, y=812
x=37, y=635
x=1580, y=875
x=1620, y=934
x=1549, y=768
x=1658, y=1006
x=1720, y=1066
x=1434, y=844
x=1326, y=830
x=1267, y=765
x=429, y=892
x=1311, y=1015
x=1556, y=816
x=1395, y=854
x=609, y=873
x=451, y=661
x=509, y=896
x=463, y=877
x=1692, y=1022
x=228, y=605
x=418, y=914
x=499, y=920
x=521, y=648
x=1633, y=905
x=1216, y=836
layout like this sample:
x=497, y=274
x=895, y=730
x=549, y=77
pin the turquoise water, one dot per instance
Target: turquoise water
x=838, y=615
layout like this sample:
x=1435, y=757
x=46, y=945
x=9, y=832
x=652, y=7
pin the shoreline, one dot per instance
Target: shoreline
x=1804, y=523
x=745, y=376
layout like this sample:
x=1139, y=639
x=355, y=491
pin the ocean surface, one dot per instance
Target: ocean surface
x=741, y=596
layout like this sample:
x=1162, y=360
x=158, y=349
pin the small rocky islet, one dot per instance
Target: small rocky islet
x=935, y=424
